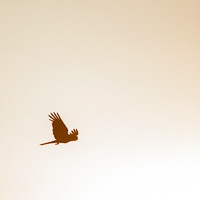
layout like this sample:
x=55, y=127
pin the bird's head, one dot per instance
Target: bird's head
x=74, y=134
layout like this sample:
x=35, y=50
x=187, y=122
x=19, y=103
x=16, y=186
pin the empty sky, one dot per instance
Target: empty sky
x=125, y=74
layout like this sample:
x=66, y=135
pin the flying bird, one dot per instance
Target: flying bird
x=60, y=131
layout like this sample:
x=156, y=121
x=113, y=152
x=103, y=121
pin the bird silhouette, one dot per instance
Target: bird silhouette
x=60, y=131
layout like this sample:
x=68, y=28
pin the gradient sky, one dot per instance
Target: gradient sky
x=125, y=74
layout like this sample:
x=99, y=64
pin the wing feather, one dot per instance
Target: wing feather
x=58, y=116
x=51, y=117
x=55, y=115
x=60, y=131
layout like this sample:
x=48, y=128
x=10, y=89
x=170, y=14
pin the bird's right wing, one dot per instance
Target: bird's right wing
x=59, y=129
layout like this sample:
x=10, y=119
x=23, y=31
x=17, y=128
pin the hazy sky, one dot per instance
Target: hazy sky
x=125, y=74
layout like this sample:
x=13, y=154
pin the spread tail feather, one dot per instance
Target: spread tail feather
x=49, y=142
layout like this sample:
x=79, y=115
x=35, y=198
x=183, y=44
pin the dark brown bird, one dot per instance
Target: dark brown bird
x=60, y=131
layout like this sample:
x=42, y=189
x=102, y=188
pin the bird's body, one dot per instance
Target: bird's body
x=60, y=131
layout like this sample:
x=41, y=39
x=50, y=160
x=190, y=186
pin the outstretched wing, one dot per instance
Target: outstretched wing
x=60, y=131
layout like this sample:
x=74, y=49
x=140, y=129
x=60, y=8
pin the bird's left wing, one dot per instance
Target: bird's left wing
x=59, y=129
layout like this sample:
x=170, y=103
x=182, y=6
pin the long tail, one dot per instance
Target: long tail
x=49, y=142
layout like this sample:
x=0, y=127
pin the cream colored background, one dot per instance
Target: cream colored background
x=125, y=74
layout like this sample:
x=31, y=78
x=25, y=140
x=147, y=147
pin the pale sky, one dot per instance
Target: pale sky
x=125, y=74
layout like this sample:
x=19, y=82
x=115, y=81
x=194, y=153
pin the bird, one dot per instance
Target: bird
x=60, y=131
